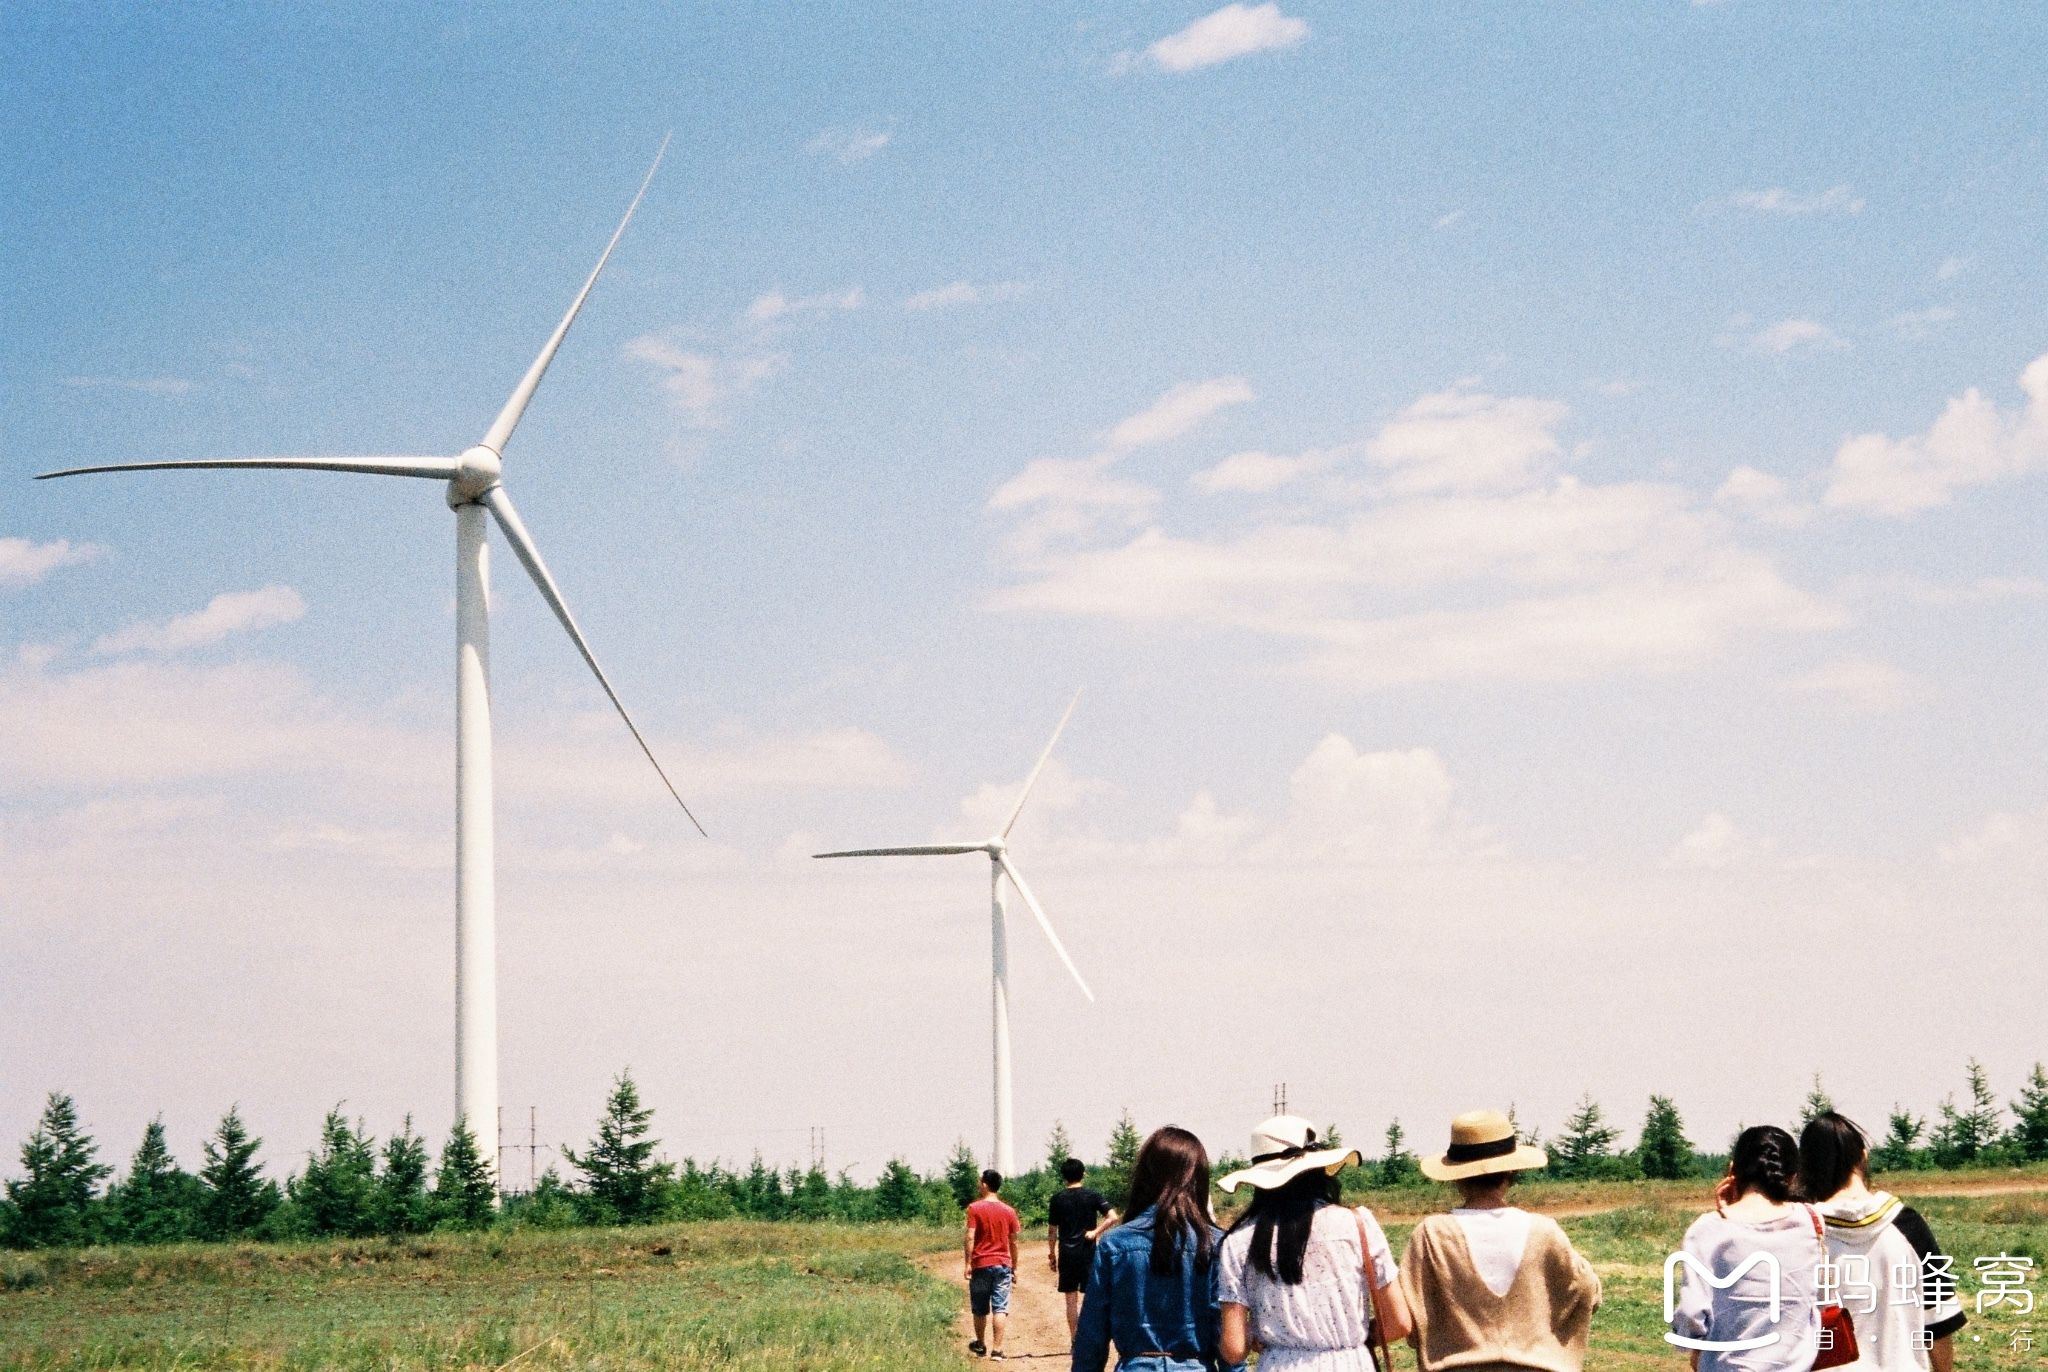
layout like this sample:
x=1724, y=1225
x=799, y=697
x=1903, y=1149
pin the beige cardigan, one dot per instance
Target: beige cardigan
x=1540, y=1323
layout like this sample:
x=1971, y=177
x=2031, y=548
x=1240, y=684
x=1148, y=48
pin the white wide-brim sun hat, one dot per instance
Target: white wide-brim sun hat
x=1283, y=1148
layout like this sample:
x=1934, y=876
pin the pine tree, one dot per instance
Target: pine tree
x=760, y=1192
x=237, y=1197
x=1963, y=1135
x=1113, y=1179
x=158, y=1201
x=1396, y=1164
x=1586, y=1147
x=620, y=1176
x=811, y=1197
x=1331, y=1138
x=963, y=1174
x=465, y=1186
x=1058, y=1148
x=52, y=1206
x=338, y=1190
x=1663, y=1151
x=1900, y=1149
x=1818, y=1102
x=2029, y=1137
x=402, y=1204
x=898, y=1194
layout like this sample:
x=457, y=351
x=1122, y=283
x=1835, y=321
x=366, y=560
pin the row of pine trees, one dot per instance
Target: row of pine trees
x=352, y=1187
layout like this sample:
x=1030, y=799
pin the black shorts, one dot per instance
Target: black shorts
x=1074, y=1265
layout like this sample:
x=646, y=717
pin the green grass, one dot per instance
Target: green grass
x=726, y=1295
x=753, y=1296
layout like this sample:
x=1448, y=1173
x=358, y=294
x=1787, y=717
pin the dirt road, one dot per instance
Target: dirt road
x=1038, y=1313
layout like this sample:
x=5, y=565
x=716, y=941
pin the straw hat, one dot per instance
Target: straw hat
x=1283, y=1148
x=1483, y=1142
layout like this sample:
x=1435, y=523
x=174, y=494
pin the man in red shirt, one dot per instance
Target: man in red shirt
x=990, y=1250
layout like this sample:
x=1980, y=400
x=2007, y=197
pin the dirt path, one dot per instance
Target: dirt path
x=1038, y=1313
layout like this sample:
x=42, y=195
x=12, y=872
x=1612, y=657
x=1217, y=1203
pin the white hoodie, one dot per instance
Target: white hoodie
x=1881, y=1249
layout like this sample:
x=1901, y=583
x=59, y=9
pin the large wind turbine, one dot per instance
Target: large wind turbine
x=1001, y=864
x=473, y=488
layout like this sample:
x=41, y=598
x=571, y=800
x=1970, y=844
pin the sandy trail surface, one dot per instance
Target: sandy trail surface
x=1038, y=1313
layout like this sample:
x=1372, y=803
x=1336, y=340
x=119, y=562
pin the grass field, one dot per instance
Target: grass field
x=750, y=1296
x=724, y=1295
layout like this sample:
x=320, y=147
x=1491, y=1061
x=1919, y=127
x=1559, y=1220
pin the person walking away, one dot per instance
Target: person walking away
x=1490, y=1285
x=1075, y=1218
x=1296, y=1264
x=1888, y=1271
x=1756, y=1237
x=991, y=1253
x=1151, y=1295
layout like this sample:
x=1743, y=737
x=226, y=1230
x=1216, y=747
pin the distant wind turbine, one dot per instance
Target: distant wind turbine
x=473, y=487
x=1001, y=864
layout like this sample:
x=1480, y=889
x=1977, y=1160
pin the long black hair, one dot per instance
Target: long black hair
x=1171, y=1179
x=1281, y=1218
x=1765, y=1159
x=1832, y=1149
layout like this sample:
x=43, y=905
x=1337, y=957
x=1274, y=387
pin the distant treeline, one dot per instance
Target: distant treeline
x=351, y=1187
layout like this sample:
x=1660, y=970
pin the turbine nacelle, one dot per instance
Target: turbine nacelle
x=477, y=472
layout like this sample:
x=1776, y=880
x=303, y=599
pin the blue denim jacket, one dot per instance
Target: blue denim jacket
x=1142, y=1313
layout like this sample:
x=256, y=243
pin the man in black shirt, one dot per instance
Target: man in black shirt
x=1075, y=1218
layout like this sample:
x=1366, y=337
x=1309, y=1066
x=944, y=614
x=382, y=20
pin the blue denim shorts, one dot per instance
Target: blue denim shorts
x=988, y=1291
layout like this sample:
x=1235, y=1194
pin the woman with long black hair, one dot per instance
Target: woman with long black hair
x=1295, y=1265
x=1152, y=1291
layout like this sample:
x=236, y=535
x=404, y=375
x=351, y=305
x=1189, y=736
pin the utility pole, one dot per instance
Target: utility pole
x=1280, y=1098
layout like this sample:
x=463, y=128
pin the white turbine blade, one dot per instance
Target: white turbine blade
x=440, y=468
x=1017, y=880
x=1032, y=780
x=508, y=418
x=500, y=505
x=920, y=850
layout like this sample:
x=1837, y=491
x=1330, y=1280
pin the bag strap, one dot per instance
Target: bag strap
x=1375, y=1327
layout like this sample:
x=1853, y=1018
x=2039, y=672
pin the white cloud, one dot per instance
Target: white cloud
x=1445, y=221
x=1464, y=440
x=849, y=145
x=1349, y=806
x=1764, y=497
x=955, y=293
x=1951, y=268
x=2018, y=838
x=1345, y=805
x=1070, y=497
x=1258, y=473
x=773, y=305
x=701, y=384
x=1471, y=559
x=1716, y=843
x=1786, y=336
x=1236, y=30
x=146, y=385
x=1920, y=323
x=1179, y=410
x=1778, y=200
x=1860, y=683
x=148, y=722
x=1971, y=444
x=24, y=563
x=230, y=612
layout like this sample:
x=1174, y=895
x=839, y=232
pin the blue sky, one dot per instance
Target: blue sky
x=1488, y=468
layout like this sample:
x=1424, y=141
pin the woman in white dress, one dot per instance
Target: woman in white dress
x=1292, y=1274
